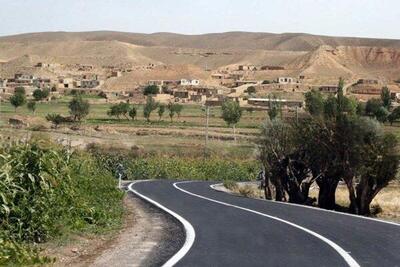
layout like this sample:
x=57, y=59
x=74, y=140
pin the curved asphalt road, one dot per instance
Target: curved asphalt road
x=264, y=233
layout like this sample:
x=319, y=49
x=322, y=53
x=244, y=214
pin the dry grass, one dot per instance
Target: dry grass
x=386, y=203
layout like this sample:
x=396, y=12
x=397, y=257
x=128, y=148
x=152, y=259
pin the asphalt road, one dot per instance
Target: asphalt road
x=237, y=231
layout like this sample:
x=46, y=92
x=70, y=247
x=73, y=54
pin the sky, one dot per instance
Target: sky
x=358, y=18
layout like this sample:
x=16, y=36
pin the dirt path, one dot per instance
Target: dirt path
x=148, y=238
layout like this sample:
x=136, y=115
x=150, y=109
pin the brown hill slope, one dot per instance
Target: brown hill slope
x=228, y=40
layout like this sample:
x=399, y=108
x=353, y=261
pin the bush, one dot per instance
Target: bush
x=151, y=90
x=46, y=191
x=159, y=167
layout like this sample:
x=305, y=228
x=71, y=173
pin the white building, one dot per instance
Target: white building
x=187, y=82
x=285, y=80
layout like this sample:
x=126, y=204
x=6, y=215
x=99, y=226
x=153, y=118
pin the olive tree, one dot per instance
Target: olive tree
x=149, y=107
x=231, y=114
x=79, y=108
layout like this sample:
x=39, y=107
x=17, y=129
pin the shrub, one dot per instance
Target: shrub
x=46, y=190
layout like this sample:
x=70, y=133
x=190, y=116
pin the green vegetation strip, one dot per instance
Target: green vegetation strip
x=47, y=192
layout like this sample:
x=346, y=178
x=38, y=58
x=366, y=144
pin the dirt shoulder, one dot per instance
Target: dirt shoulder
x=387, y=201
x=148, y=237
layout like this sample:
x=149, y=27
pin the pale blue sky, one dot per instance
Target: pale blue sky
x=363, y=18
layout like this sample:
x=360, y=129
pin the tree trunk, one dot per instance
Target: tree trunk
x=279, y=192
x=352, y=197
x=326, y=196
x=234, y=132
x=267, y=189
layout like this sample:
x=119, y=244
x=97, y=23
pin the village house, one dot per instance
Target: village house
x=247, y=67
x=328, y=89
x=286, y=80
x=189, y=82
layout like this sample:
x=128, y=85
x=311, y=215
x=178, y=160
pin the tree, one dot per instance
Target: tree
x=251, y=90
x=314, y=102
x=372, y=106
x=31, y=106
x=133, y=113
x=331, y=107
x=149, y=107
x=120, y=109
x=386, y=98
x=17, y=100
x=231, y=113
x=161, y=110
x=382, y=114
x=79, y=108
x=56, y=119
x=172, y=110
x=395, y=115
x=178, y=109
x=151, y=90
x=39, y=94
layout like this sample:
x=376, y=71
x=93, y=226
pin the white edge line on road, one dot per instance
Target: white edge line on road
x=189, y=230
x=310, y=207
x=346, y=256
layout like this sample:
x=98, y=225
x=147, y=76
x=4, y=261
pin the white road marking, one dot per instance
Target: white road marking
x=189, y=230
x=314, y=208
x=345, y=255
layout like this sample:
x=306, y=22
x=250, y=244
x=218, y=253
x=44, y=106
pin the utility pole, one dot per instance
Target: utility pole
x=206, y=140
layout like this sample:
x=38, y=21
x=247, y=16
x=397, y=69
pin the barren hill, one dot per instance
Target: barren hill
x=228, y=40
x=310, y=55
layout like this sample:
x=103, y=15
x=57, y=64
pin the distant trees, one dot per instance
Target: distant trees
x=386, y=98
x=151, y=90
x=335, y=144
x=314, y=102
x=79, y=108
x=133, y=113
x=174, y=108
x=31, y=106
x=19, y=98
x=120, y=109
x=54, y=118
x=161, y=110
x=40, y=94
x=231, y=114
x=149, y=107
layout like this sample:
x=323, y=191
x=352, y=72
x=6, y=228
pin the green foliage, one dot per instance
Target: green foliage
x=331, y=107
x=133, y=113
x=55, y=118
x=159, y=167
x=149, y=107
x=31, y=106
x=161, y=110
x=46, y=191
x=120, y=109
x=231, y=112
x=172, y=109
x=372, y=106
x=79, y=108
x=382, y=114
x=17, y=100
x=266, y=82
x=314, y=102
x=385, y=97
x=395, y=115
x=273, y=112
x=39, y=94
x=151, y=90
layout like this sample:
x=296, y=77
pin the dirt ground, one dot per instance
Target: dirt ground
x=148, y=237
x=388, y=200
